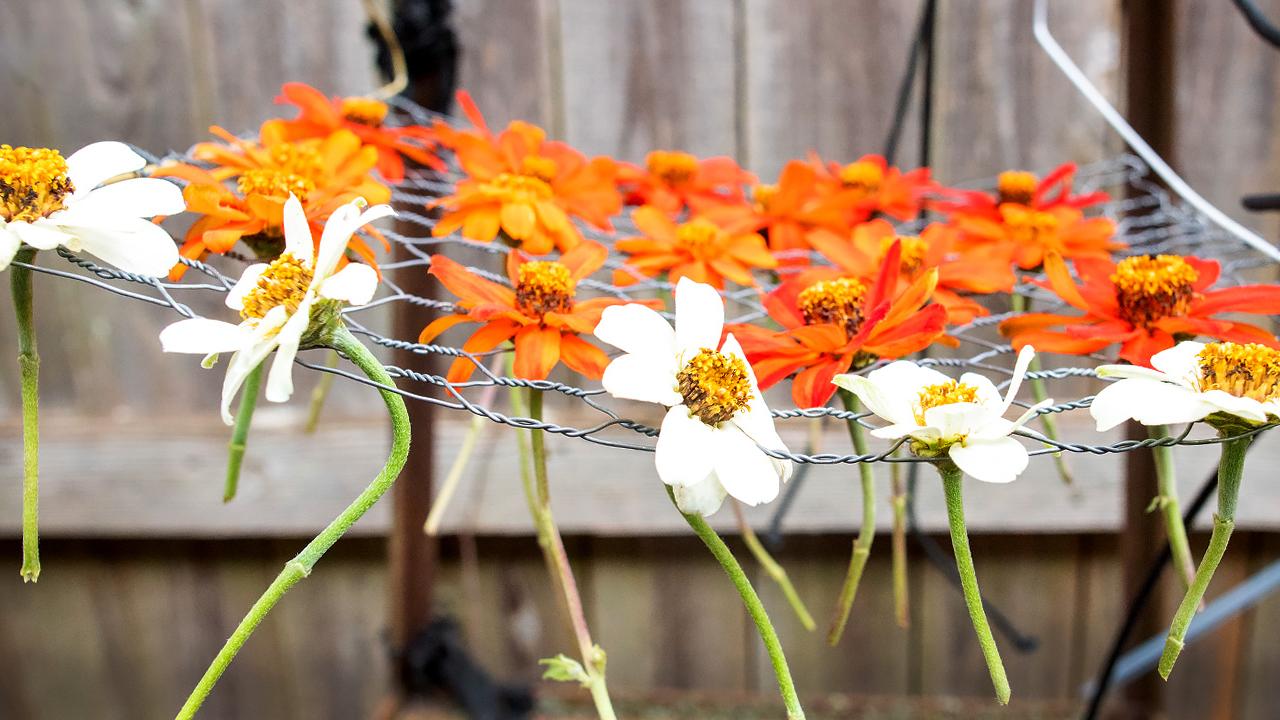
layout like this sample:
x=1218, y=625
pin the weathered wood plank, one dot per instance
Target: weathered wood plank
x=506, y=64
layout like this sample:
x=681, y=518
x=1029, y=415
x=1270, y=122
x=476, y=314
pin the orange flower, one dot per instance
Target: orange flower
x=831, y=326
x=1025, y=235
x=320, y=117
x=323, y=173
x=869, y=186
x=697, y=249
x=526, y=186
x=862, y=254
x=1020, y=188
x=539, y=311
x=672, y=181
x=1145, y=303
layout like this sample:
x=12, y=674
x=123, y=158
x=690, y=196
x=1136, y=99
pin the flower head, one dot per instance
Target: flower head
x=671, y=181
x=1141, y=303
x=710, y=440
x=1019, y=187
x=283, y=303
x=48, y=201
x=961, y=419
x=869, y=185
x=1026, y=235
x=697, y=248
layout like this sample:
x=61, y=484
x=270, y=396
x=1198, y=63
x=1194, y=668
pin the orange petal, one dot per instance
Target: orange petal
x=537, y=351
x=582, y=357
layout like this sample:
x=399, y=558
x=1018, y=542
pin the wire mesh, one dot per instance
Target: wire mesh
x=1147, y=219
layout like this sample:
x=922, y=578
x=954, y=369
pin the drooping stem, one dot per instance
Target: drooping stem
x=549, y=539
x=754, y=607
x=1022, y=303
x=952, y=480
x=320, y=393
x=901, y=599
x=1230, y=469
x=301, y=565
x=240, y=431
x=29, y=369
x=866, y=534
x=772, y=568
x=451, y=481
x=1166, y=479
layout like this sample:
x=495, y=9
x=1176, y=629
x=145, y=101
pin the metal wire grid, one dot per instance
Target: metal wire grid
x=1147, y=220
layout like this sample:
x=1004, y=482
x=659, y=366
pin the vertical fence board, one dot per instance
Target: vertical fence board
x=507, y=57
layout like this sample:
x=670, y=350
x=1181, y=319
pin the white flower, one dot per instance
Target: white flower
x=275, y=301
x=1189, y=382
x=709, y=443
x=46, y=201
x=963, y=419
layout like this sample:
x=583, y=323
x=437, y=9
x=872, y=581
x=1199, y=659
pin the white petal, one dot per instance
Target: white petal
x=634, y=328
x=9, y=244
x=956, y=419
x=262, y=341
x=247, y=282
x=297, y=232
x=136, y=197
x=338, y=230
x=702, y=498
x=1132, y=371
x=89, y=166
x=893, y=432
x=1180, y=361
x=995, y=461
x=699, y=317
x=746, y=473
x=1150, y=402
x=134, y=245
x=1242, y=407
x=280, y=379
x=683, y=456
x=354, y=284
x=988, y=395
x=201, y=336
x=648, y=378
x=42, y=234
x=1025, y=356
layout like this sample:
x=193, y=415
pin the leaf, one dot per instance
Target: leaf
x=563, y=668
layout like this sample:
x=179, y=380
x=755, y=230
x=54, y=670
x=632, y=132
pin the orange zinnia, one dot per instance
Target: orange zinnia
x=320, y=116
x=527, y=187
x=862, y=254
x=832, y=326
x=870, y=185
x=1026, y=235
x=323, y=173
x=672, y=181
x=539, y=311
x=697, y=249
x=1021, y=188
x=1145, y=303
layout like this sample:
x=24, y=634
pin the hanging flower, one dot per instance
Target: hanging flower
x=869, y=185
x=540, y=311
x=672, y=181
x=1018, y=187
x=961, y=419
x=285, y=303
x=710, y=439
x=862, y=254
x=47, y=201
x=1025, y=235
x=323, y=173
x=698, y=249
x=1143, y=303
x=320, y=117
x=831, y=326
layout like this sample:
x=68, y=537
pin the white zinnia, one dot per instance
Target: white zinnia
x=973, y=434
x=270, y=289
x=702, y=461
x=108, y=221
x=1175, y=391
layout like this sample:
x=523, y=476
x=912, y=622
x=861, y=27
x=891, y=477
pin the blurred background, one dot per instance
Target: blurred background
x=146, y=571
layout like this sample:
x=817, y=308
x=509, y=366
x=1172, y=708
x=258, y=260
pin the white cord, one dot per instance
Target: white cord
x=1040, y=26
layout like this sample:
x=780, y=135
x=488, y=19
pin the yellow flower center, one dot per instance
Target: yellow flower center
x=284, y=282
x=863, y=176
x=837, y=302
x=510, y=188
x=293, y=169
x=1016, y=186
x=33, y=183
x=697, y=234
x=714, y=386
x=947, y=393
x=542, y=168
x=673, y=167
x=764, y=195
x=365, y=111
x=1251, y=370
x=914, y=251
x=1149, y=288
x=544, y=286
x=1031, y=226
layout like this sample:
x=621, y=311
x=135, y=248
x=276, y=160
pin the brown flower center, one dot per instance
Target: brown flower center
x=698, y=234
x=837, y=302
x=284, y=282
x=947, y=393
x=863, y=176
x=1149, y=288
x=365, y=111
x=1251, y=370
x=714, y=386
x=1031, y=226
x=544, y=286
x=537, y=166
x=293, y=169
x=914, y=251
x=674, y=168
x=1016, y=186
x=33, y=183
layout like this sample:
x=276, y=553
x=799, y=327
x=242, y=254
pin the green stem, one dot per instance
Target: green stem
x=240, y=431
x=754, y=607
x=773, y=568
x=952, y=480
x=1022, y=303
x=451, y=481
x=300, y=566
x=1230, y=469
x=29, y=367
x=552, y=544
x=320, y=393
x=901, y=600
x=866, y=534
x=1166, y=479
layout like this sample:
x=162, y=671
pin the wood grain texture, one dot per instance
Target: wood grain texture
x=508, y=54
